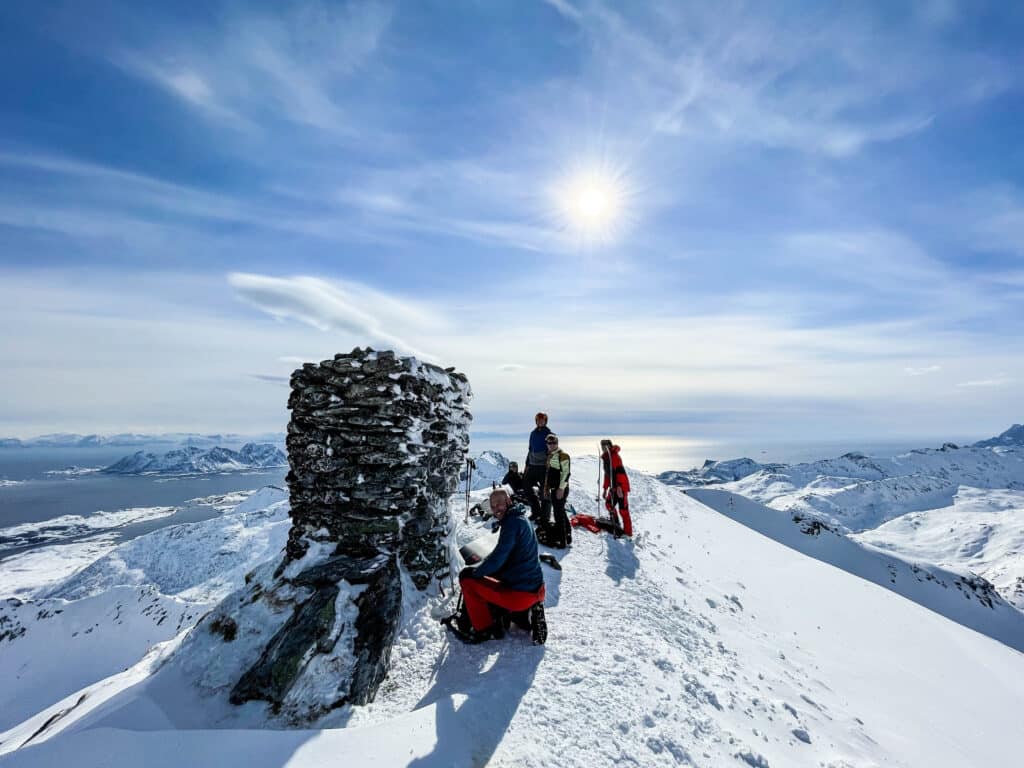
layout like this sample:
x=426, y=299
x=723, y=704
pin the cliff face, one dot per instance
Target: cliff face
x=375, y=443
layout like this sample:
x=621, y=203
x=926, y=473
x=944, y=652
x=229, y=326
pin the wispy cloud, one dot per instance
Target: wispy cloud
x=565, y=8
x=998, y=381
x=922, y=371
x=351, y=308
x=261, y=67
x=734, y=72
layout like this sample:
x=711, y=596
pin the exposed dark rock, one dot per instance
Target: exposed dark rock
x=273, y=675
x=224, y=626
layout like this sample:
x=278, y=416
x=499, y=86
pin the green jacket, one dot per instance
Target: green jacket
x=559, y=461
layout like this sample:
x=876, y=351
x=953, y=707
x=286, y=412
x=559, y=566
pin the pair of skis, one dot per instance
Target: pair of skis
x=613, y=515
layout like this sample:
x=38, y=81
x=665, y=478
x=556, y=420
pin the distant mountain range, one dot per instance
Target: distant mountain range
x=1012, y=437
x=716, y=472
x=192, y=460
x=72, y=440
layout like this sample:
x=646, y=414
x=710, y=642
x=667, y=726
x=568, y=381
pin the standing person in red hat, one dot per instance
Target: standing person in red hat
x=536, y=464
x=616, y=487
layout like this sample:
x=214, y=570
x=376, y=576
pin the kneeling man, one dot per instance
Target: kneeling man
x=509, y=577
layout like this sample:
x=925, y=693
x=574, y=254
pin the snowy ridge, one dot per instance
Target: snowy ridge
x=702, y=643
x=861, y=492
x=192, y=460
x=961, y=596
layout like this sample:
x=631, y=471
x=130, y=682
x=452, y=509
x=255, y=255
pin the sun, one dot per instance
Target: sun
x=591, y=204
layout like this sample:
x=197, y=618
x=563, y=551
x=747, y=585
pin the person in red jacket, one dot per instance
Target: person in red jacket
x=616, y=486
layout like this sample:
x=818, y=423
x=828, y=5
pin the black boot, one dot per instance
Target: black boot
x=538, y=624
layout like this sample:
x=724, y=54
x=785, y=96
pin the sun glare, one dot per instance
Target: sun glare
x=591, y=204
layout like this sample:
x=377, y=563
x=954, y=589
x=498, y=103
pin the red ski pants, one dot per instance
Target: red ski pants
x=623, y=504
x=482, y=593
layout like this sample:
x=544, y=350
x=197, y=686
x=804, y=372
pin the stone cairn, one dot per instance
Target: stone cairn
x=375, y=444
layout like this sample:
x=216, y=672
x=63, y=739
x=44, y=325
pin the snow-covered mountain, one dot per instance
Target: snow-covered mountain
x=981, y=531
x=192, y=460
x=491, y=467
x=701, y=642
x=862, y=492
x=950, y=508
x=1014, y=436
x=714, y=472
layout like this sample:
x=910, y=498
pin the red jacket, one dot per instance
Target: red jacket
x=615, y=469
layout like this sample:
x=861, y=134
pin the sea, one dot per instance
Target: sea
x=50, y=495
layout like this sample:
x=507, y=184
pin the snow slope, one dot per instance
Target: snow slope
x=103, y=618
x=701, y=642
x=981, y=531
x=961, y=596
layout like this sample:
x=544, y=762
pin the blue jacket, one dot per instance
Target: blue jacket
x=538, y=455
x=514, y=560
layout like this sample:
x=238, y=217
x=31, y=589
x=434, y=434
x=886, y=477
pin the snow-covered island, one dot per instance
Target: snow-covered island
x=193, y=460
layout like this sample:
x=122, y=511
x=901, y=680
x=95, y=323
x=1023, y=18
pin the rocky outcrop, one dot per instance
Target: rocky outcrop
x=375, y=443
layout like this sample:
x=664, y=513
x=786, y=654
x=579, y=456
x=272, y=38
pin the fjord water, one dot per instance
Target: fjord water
x=29, y=492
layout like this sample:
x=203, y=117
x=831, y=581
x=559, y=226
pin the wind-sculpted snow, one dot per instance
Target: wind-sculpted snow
x=701, y=642
x=192, y=460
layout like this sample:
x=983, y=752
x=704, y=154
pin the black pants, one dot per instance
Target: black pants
x=533, y=478
x=561, y=531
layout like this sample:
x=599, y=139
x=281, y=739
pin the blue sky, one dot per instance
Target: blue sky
x=811, y=221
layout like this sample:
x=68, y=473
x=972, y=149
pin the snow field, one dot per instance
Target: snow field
x=701, y=642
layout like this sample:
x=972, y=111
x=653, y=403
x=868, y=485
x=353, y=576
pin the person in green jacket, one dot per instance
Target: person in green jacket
x=556, y=493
